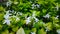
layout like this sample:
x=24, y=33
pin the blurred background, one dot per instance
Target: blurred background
x=29, y=16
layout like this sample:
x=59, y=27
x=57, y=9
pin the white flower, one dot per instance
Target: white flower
x=7, y=15
x=57, y=7
x=28, y=20
x=17, y=19
x=33, y=6
x=38, y=6
x=12, y=11
x=58, y=31
x=36, y=19
x=30, y=1
x=47, y=16
x=7, y=22
x=47, y=29
x=32, y=32
x=56, y=17
x=8, y=3
x=19, y=13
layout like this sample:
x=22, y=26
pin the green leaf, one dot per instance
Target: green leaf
x=1, y=9
x=41, y=31
x=49, y=25
x=1, y=16
x=5, y=32
x=34, y=30
x=20, y=31
x=27, y=31
x=15, y=29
